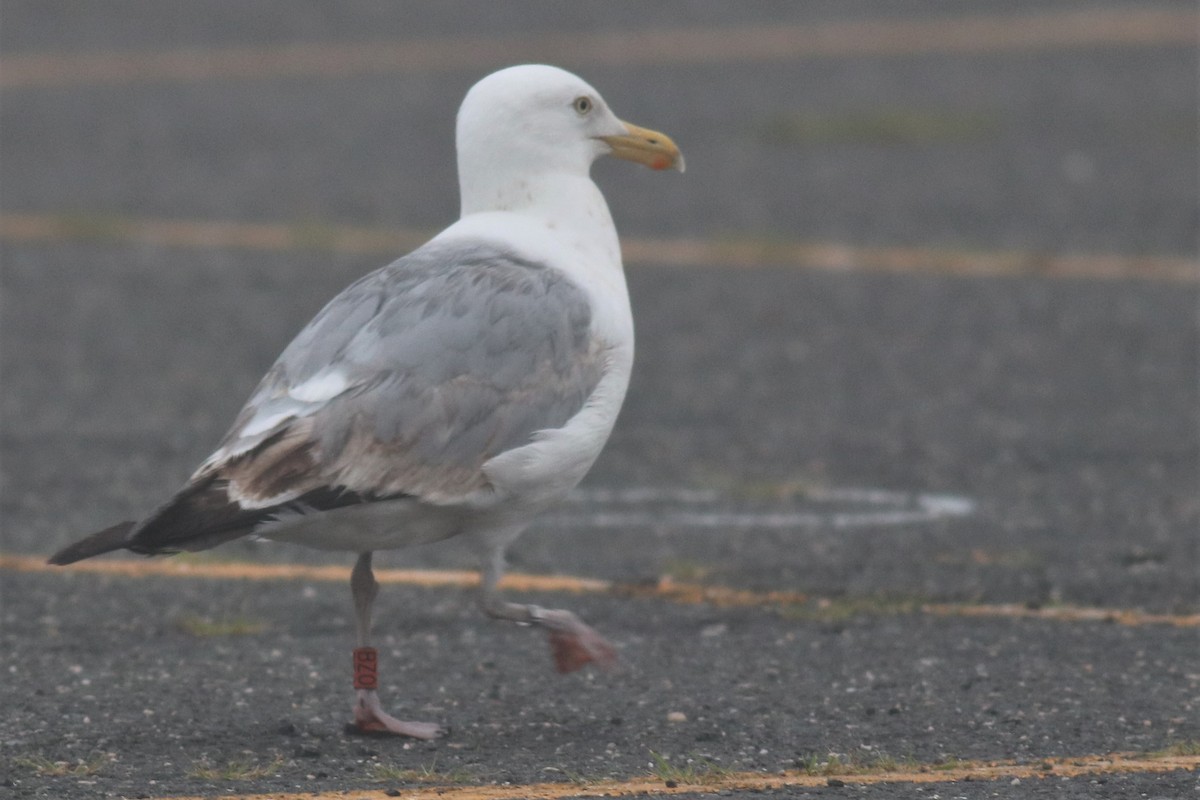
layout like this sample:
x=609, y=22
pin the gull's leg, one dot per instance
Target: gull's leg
x=573, y=643
x=369, y=716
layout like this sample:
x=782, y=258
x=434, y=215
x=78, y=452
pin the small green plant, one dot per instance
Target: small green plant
x=425, y=773
x=243, y=769
x=1187, y=747
x=682, y=569
x=571, y=775
x=693, y=773
x=837, y=764
x=204, y=627
x=60, y=769
x=809, y=764
x=833, y=764
x=766, y=489
x=576, y=778
x=882, y=762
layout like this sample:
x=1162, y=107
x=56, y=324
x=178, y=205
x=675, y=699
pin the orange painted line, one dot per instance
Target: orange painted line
x=519, y=582
x=240, y=570
x=200, y=233
x=33, y=228
x=1064, y=614
x=753, y=781
x=971, y=35
x=849, y=258
x=663, y=589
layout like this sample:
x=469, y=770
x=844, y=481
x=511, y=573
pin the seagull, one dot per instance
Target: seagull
x=459, y=391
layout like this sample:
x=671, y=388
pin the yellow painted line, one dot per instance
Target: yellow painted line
x=740, y=254
x=663, y=589
x=1045, y=30
x=753, y=781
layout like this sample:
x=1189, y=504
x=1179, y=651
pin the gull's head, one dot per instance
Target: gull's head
x=533, y=119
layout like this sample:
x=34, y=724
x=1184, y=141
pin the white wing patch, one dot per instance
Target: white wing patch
x=301, y=400
x=254, y=503
x=325, y=385
x=264, y=423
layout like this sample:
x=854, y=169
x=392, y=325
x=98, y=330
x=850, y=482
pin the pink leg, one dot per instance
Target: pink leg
x=369, y=716
x=572, y=642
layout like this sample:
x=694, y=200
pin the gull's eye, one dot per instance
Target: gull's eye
x=582, y=105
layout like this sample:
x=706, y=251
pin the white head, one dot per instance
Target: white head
x=533, y=120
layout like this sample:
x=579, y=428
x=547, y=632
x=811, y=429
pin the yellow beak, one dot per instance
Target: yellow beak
x=644, y=146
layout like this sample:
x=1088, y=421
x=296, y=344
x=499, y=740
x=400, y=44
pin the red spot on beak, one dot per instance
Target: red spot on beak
x=661, y=163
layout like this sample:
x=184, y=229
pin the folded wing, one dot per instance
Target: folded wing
x=404, y=385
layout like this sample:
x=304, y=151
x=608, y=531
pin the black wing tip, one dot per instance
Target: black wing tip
x=112, y=538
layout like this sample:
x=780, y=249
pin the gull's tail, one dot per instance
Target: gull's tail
x=107, y=540
x=202, y=515
x=198, y=517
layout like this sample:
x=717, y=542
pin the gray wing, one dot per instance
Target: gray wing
x=413, y=377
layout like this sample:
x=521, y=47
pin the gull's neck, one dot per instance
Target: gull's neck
x=569, y=207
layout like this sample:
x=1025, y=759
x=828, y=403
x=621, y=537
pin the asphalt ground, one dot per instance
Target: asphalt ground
x=925, y=508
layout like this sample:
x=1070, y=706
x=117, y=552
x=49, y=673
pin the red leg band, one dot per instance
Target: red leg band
x=366, y=668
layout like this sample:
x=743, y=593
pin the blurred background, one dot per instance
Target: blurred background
x=918, y=326
x=1041, y=127
x=939, y=248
